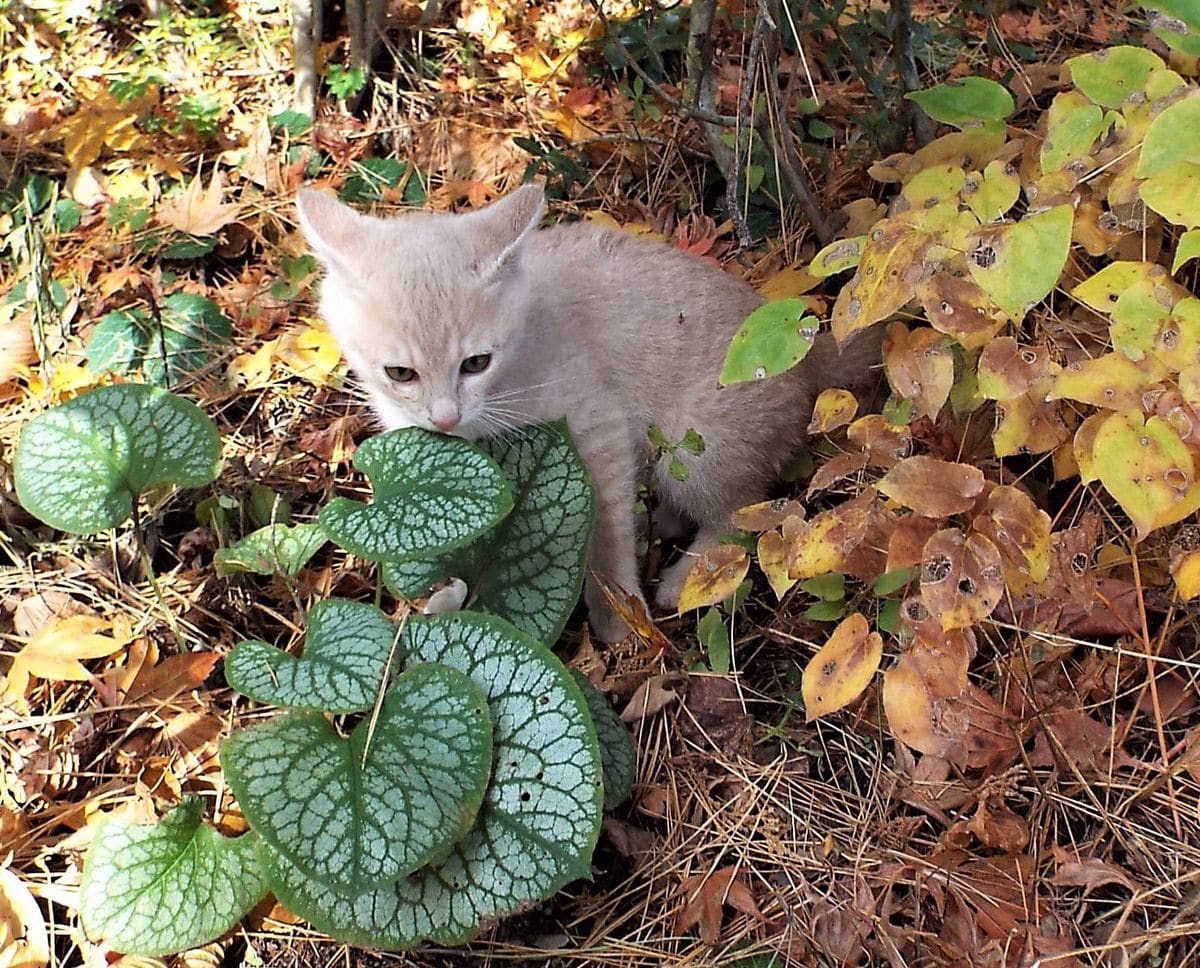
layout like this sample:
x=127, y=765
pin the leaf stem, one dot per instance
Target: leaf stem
x=148, y=568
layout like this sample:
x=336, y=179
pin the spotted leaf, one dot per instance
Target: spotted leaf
x=540, y=817
x=432, y=494
x=842, y=668
x=80, y=465
x=154, y=890
x=357, y=813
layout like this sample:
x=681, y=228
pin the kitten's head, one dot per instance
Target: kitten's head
x=425, y=306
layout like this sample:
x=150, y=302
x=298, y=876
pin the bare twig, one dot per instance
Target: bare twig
x=699, y=59
x=306, y=34
x=764, y=23
x=688, y=110
x=922, y=126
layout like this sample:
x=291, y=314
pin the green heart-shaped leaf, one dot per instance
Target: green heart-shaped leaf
x=1109, y=76
x=80, y=465
x=1147, y=468
x=277, y=549
x=616, y=748
x=529, y=568
x=537, y=827
x=1018, y=263
x=432, y=494
x=161, y=889
x=773, y=339
x=356, y=813
x=175, y=343
x=965, y=100
x=1170, y=139
x=346, y=650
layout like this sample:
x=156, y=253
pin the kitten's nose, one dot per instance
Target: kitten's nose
x=444, y=414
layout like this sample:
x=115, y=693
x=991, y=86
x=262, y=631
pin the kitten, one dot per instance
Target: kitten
x=475, y=323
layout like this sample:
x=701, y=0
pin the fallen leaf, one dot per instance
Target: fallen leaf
x=1090, y=874
x=55, y=652
x=175, y=674
x=651, y=697
x=198, y=210
x=932, y=487
x=24, y=941
x=714, y=577
x=842, y=668
x=884, y=443
x=706, y=893
x=998, y=826
x=767, y=515
x=962, y=579
x=919, y=367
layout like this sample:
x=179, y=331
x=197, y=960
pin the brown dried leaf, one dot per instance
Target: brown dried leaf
x=961, y=579
x=706, y=893
x=175, y=674
x=24, y=940
x=1007, y=370
x=1090, y=874
x=906, y=546
x=956, y=305
x=915, y=691
x=842, y=668
x=835, y=469
x=652, y=696
x=997, y=826
x=883, y=443
x=919, y=367
x=932, y=487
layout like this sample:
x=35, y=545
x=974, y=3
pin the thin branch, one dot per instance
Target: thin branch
x=779, y=137
x=763, y=22
x=688, y=110
x=306, y=34
x=922, y=126
x=699, y=58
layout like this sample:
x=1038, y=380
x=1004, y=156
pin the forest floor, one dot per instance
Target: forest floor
x=141, y=157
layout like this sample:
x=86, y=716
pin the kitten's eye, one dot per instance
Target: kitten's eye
x=477, y=363
x=400, y=374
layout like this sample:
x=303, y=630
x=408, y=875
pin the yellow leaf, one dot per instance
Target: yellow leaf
x=24, y=941
x=198, y=210
x=834, y=408
x=98, y=123
x=55, y=651
x=1186, y=571
x=66, y=380
x=842, y=668
x=822, y=544
x=309, y=352
x=1147, y=468
x=254, y=369
x=714, y=577
x=788, y=283
x=773, y=560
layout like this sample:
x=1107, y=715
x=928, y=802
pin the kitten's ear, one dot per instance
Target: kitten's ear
x=503, y=226
x=334, y=231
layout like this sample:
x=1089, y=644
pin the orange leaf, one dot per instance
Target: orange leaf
x=842, y=668
x=714, y=577
x=175, y=674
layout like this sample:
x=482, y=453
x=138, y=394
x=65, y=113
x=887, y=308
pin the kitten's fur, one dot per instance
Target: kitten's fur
x=613, y=332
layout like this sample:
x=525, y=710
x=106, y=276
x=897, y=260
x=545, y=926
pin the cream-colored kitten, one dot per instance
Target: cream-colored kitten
x=470, y=324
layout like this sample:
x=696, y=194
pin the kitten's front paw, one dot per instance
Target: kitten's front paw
x=670, y=583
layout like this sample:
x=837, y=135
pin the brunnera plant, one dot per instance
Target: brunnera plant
x=1031, y=277
x=427, y=774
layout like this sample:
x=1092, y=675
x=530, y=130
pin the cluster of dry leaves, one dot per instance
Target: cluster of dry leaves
x=1044, y=795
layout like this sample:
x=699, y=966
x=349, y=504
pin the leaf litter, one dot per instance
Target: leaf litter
x=1020, y=775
